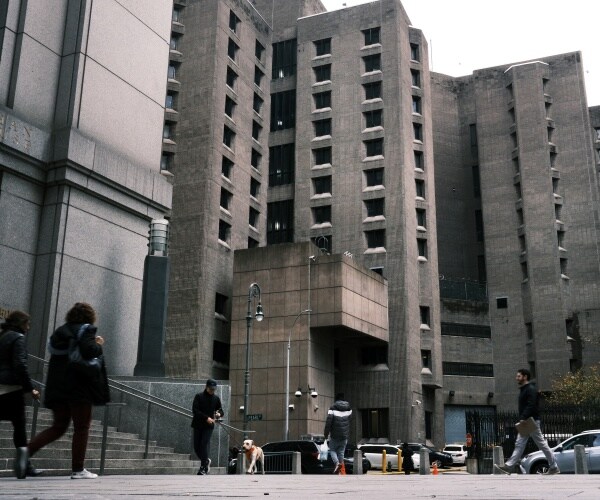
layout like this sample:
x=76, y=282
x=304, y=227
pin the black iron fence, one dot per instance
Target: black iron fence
x=498, y=429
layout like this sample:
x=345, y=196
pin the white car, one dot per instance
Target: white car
x=536, y=463
x=458, y=452
x=374, y=453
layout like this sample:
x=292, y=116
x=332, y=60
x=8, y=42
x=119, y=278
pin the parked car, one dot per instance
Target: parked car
x=374, y=453
x=536, y=463
x=314, y=458
x=435, y=457
x=458, y=452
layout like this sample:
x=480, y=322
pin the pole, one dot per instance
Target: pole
x=253, y=291
x=286, y=433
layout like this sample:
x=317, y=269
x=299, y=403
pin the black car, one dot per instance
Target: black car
x=278, y=459
x=438, y=457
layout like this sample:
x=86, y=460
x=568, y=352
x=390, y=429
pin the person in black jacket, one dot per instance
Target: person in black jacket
x=71, y=396
x=206, y=408
x=407, y=461
x=337, y=430
x=14, y=382
x=528, y=407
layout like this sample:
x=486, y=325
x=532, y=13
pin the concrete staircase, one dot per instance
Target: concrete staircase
x=124, y=452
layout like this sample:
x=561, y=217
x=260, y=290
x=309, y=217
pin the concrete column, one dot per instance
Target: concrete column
x=581, y=465
x=296, y=461
x=424, y=462
x=498, y=459
x=357, y=469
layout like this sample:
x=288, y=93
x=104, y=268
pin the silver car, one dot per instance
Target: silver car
x=536, y=463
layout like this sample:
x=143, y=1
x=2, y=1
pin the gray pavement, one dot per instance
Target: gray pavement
x=372, y=486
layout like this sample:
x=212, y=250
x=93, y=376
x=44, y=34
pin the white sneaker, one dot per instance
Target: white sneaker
x=208, y=466
x=84, y=474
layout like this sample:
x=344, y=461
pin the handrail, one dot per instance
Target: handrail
x=130, y=391
x=149, y=398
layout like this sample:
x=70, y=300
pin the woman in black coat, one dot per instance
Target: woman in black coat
x=14, y=382
x=407, y=461
x=71, y=396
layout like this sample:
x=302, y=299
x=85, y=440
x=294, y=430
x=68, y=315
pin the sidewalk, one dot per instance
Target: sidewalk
x=307, y=487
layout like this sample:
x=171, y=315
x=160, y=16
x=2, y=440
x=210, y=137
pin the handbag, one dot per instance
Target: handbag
x=79, y=365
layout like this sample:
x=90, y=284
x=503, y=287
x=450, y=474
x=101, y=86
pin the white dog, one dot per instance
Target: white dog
x=253, y=454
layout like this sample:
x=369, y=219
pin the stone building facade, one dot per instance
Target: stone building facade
x=82, y=88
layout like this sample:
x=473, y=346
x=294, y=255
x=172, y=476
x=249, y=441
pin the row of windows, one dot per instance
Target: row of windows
x=466, y=330
x=468, y=369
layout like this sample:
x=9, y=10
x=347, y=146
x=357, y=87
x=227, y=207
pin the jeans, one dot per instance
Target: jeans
x=337, y=447
x=81, y=413
x=539, y=440
x=202, y=437
x=13, y=409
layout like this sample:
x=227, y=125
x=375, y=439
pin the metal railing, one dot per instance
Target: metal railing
x=462, y=289
x=122, y=389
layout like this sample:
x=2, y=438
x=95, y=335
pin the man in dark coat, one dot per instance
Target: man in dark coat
x=528, y=407
x=206, y=408
x=337, y=430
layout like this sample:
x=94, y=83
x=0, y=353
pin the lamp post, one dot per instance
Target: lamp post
x=253, y=291
x=287, y=377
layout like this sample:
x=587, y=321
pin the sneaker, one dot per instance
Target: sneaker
x=201, y=471
x=505, y=469
x=20, y=464
x=31, y=471
x=207, y=466
x=83, y=474
x=552, y=470
x=337, y=469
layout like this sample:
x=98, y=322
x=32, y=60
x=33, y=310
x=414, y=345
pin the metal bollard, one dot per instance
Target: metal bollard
x=399, y=460
x=296, y=463
x=581, y=465
x=383, y=462
x=241, y=463
x=424, y=462
x=358, y=465
x=498, y=459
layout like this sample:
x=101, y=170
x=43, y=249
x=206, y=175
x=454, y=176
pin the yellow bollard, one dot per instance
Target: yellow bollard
x=399, y=460
x=383, y=462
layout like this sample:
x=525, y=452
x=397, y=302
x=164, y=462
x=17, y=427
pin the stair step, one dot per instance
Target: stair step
x=6, y=431
x=111, y=471
x=43, y=423
x=65, y=452
x=7, y=444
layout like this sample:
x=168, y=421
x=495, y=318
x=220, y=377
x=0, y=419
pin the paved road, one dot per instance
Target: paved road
x=371, y=486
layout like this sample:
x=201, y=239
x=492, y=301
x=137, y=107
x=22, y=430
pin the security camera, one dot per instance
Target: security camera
x=417, y=402
x=291, y=407
x=316, y=407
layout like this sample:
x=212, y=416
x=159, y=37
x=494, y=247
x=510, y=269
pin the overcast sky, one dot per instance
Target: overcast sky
x=465, y=35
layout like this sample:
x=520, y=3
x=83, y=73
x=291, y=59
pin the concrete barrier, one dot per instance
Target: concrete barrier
x=296, y=463
x=498, y=453
x=358, y=465
x=581, y=465
x=424, y=462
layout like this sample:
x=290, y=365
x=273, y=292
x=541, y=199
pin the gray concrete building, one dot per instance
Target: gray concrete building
x=82, y=87
x=475, y=198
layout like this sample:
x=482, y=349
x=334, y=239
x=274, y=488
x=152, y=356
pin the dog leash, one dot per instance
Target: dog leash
x=227, y=426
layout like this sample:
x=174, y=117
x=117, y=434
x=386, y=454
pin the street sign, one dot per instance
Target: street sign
x=255, y=416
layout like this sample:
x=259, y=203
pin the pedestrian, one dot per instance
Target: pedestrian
x=207, y=409
x=14, y=383
x=70, y=396
x=337, y=430
x=407, y=462
x=529, y=407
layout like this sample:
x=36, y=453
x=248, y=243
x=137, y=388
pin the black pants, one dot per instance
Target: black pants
x=202, y=442
x=12, y=407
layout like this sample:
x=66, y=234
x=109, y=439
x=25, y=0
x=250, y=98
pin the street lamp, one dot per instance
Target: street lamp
x=287, y=377
x=253, y=291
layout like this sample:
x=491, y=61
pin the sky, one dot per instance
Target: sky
x=465, y=35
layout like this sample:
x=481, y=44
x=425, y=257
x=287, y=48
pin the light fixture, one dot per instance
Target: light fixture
x=259, y=312
x=291, y=407
x=570, y=339
x=313, y=392
x=298, y=392
x=242, y=408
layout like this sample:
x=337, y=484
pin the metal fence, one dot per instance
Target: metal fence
x=463, y=290
x=558, y=423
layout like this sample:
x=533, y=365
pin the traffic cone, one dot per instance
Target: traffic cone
x=343, y=469
x=435, y=469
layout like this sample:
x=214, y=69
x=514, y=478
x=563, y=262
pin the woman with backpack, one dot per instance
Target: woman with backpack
x=69, y=394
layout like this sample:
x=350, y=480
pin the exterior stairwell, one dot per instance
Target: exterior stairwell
x=124, y=452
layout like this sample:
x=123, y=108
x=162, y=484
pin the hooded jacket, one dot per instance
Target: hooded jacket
x=337, y=425
x=205, y=405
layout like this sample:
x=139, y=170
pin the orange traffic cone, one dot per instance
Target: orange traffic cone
x=343, y=469
x=435, y=469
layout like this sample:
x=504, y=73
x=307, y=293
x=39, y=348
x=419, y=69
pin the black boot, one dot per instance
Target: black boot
x=30, y=471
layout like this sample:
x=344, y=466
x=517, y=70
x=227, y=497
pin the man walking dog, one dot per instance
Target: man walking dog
x=206, y=408
x=337, y=430
x=528, y=409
